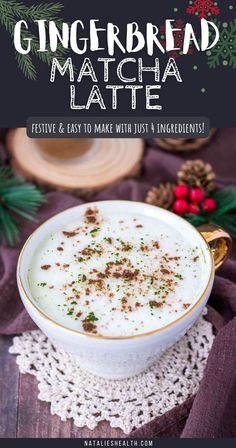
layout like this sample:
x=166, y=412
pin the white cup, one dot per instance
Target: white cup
x=122, y=357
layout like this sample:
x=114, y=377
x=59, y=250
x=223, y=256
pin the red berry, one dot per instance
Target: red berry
x=181, y=191
x=180, y=206
x=209, y=205
x=193, y=209
x=197, y=194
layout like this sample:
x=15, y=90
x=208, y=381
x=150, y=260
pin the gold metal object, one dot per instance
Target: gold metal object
x=219, y=241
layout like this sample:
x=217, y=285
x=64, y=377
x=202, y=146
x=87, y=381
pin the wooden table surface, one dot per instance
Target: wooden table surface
x=22, y=414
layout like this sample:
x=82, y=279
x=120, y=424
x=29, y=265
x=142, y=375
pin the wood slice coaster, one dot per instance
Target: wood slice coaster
x=74, y=164
x=184, y=144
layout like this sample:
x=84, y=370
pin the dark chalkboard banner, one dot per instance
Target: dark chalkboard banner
x=124, y=59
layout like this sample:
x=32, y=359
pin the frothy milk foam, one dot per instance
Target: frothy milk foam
x=116, y=274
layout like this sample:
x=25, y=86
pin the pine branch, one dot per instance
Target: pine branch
x=26, y=65
x=12, y=10
x=47, y=11
x=8, y=227
x=8, y=22
x=227, y=222
x=7, y=179
x=195, y=220
x=16, y=199
x=225, y=214
x=226, y=200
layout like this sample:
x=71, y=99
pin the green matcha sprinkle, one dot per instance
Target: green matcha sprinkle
x=90, y=317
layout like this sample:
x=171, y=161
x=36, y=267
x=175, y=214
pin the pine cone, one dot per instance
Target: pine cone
x=184, y=144
x=162, y=196
x=196, y=173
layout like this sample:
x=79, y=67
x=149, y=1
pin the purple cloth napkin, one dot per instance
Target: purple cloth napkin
x=212, y=413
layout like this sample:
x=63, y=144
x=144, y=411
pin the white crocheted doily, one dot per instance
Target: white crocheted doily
x=127, y=404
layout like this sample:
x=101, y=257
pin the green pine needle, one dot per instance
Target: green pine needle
x=195, y=220
x=225, y=214
x=11, y=11
x=8, y=227
x=26, y=65
x=16, y=199
x=47, y=11
x=228, y=222
x=226, y=200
